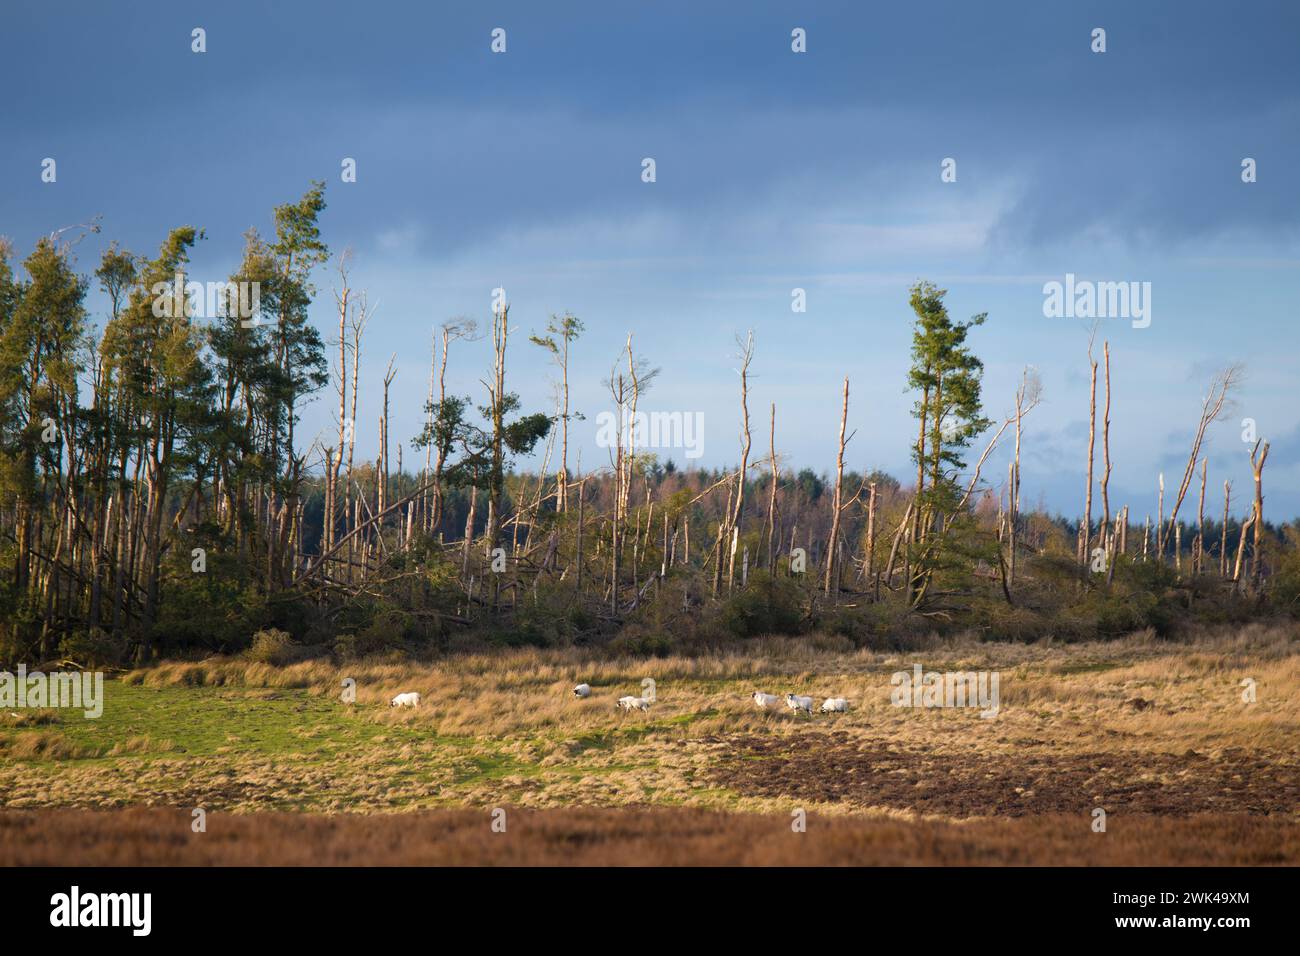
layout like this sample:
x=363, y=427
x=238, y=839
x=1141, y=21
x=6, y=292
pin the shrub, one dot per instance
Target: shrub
x=387, y=631
x=95, y=648
x=271, y=646
x=769, y=605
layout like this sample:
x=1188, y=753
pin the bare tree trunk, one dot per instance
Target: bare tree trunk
x=562, y=479
x=1258, y=455
x=1213, y=406
x=426, y=500
x=771, y=499
x=1105, y=452
x=389, y=375
x=1027, y=397
x=1160, y=521
x=1223, y=536
x=738, y=508
x=903, y=529
x=469, y=530
x=450, y=331
x=577, y=559
x=332, y=468
x=832, y=582
x=1241, y=547
x=497, y=391
x=361, y=315
x=1085, y=535
x=1198, y=549
x=869, y=562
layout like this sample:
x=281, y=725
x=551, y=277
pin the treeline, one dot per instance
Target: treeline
x=156, y=496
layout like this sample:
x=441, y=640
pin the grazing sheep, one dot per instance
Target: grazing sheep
x=582, y=690
x=411, y=699
x=764, y=701
x=835, y=705
x=633, y=703
x=797, y=704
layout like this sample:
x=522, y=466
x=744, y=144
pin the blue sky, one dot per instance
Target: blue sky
x=775, y=170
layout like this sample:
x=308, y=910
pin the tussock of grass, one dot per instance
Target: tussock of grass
x=46, y=745
x=28, y=718
x=140, y=745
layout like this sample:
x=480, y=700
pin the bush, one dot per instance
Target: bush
x=769, y=605
x=387, y=631
x=271, y=646
x=1285, y=583
x=214, y=611
x=94, y=649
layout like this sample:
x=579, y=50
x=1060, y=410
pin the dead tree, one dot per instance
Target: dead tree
x=625, y=390
x=1213, y=407
x=1223, y=533
x=382, y=478
x=496, y=389
x=869, y=560
x=360, y=317
x=334, y=463
x=1241, y=548
x=1028, y=396
x=1198, y=548
x=452, y=331
x=1160, y=520
x=1085, y=533
x=831, y=580
x=1258, y=455
x=1105, y=453
x=771, y=497
x=746, y=356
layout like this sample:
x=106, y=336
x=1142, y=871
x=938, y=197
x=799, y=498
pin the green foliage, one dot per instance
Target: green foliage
x=216, y=610
x=1284, y=586
x=94, y=648
x=769, y=605
x=948, y=375
x=388, y=630
x=548, y=616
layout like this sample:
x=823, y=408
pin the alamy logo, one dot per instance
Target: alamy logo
x=208, y=300
x=1083, y=299
x=67, y=689
x=103, y=909
x=921, y=688
x=643, y=430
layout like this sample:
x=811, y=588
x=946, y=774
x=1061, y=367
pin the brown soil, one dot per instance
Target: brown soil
x=1030, y=780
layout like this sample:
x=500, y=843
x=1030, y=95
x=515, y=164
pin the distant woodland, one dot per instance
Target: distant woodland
x=158, y=499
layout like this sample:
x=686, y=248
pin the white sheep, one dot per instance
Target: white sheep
x=836, y=705
x=582, y=690
x=764, y=701
x=797, y=704
x=411, y=699
x=633, y=703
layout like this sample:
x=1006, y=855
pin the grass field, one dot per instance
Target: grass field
x=1155, y=734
